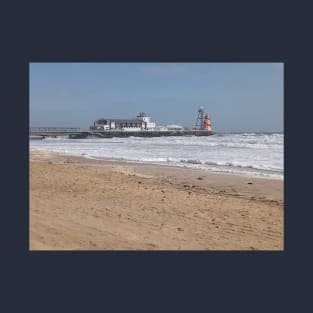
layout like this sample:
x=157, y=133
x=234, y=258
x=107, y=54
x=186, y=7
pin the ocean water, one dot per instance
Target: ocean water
x=250, y=154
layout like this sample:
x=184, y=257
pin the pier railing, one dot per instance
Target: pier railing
x=54, y=129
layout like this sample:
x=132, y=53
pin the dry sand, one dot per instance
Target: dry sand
x=82, y=204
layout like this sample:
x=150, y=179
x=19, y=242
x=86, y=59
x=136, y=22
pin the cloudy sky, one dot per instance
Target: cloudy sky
x=238, y=96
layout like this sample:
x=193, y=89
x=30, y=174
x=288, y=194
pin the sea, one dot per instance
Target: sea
x=247, y=154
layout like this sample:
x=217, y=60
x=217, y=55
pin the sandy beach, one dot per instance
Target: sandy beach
x=84, y=204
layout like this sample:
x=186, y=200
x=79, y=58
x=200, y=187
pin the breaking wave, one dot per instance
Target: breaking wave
x=246, y=153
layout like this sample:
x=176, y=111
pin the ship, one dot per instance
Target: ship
x=142, y=126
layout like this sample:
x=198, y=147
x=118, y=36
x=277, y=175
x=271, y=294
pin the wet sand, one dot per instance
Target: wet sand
x=84, y=204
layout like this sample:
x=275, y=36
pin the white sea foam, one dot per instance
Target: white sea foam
x=246, y=154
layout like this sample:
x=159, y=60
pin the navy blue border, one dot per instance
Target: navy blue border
x=223, y=281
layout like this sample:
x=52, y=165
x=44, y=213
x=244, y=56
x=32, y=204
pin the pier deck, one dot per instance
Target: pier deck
x=73, y=133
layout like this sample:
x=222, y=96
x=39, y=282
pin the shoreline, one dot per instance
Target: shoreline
x=86, y=204
x=213, y=171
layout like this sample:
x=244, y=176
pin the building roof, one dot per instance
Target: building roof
x=120, y=120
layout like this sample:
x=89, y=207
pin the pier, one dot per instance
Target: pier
x=141, y=126
x=77, y=133
x=56, y=131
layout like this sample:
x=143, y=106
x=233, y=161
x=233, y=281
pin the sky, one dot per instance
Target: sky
x=239, y=97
